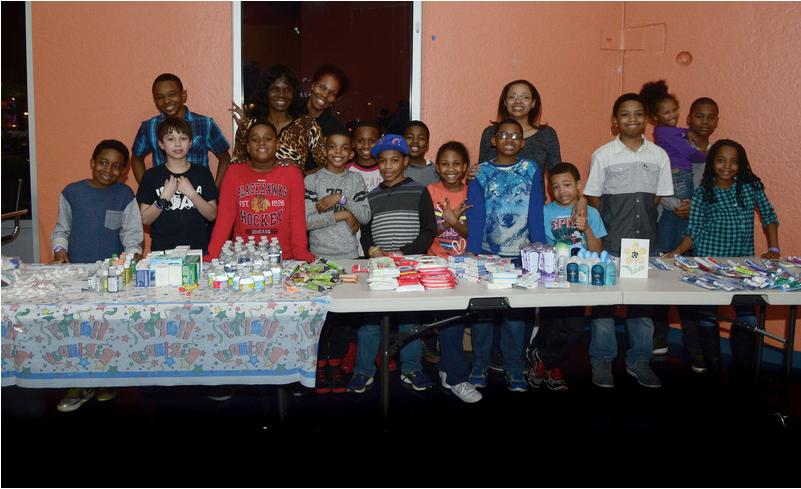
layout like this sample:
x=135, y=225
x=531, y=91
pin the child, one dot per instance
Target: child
x=169, y=96
x=627, y=178
x=365, y=135
x=505, y=214
x=336, y=203
x=449, y=197
x=663, y=109
x=177, y=198
x=722, y=224
x=560, y=326
x=402, y=222
x=702, y=121
x=96, y=219
x=263, y=198
x=420, y=169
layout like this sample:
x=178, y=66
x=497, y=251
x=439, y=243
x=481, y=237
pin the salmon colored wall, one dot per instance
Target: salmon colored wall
x=93, y=68
x=582, y=55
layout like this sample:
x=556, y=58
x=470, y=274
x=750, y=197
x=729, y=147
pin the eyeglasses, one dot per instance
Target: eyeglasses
x=514, y=136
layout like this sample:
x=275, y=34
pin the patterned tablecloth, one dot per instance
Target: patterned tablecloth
x=56, y=335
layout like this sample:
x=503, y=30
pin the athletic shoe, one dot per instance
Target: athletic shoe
x=106, y=394
x=349, y=360
x=221, y=393
x=602, y=374
x=322, y=385
x=417, y=380
x=554, y=380
x=431, y=352
x=660, y=345
x=644, y=375
x=74, y=399
x=359, y=383
x=338, y=384
x=465, y=391
x=478, y=377
x=536, y=375
x=496, y=361
x=515, y=382
x=697, y=362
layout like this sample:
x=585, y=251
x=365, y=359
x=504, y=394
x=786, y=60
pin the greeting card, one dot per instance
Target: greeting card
x=634, y=257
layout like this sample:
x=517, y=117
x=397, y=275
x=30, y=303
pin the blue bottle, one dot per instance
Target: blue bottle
x=598, y=273
x=611, y=272
x=584, y=271
x=572, y=270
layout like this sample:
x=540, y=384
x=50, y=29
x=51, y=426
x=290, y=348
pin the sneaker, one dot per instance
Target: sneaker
x=554, y=380
x=359, y=383
x=74, y=399
x=338, y=384
x=393, y=365
x=465, y=391
x=431, y=352
x=478, y=377
x=106, y=394
x=417, y=380
x=220, y=393
x=322, y=385
x=697, y=362
x=660, y=345
x=536, y=374
x=644, y=375
x=602, y=374
x=349, y=360
x=516, y=382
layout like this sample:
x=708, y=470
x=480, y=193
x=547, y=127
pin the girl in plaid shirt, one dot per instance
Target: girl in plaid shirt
x=722, y=225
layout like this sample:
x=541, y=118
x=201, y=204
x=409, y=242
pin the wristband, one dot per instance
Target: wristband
x=374, y=250
x=775, y=249
x=57, y=249
x=344, y=199
x=157, y=206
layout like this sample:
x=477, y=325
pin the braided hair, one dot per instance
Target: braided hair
x=745, y=176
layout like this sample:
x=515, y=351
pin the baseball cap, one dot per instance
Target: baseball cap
x=390, y=141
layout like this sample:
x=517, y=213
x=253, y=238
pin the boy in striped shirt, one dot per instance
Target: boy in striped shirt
x=402, y=222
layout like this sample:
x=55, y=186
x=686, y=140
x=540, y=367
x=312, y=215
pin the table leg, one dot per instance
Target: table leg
x=281, y=403
x=784, y=395
x=760, y=326
x=385, y=321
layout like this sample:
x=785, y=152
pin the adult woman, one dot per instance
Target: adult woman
x=329, y=84
x=279, y=99
x=520, y=101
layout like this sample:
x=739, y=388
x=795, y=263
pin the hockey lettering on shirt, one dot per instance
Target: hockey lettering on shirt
x=261, y=204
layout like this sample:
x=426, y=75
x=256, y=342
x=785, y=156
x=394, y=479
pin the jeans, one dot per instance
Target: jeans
x=512, y=339
x=742, y=341
x=453, y=362
x=670, y=228
x=559, y=328
x=640, y=329
x=370, y=337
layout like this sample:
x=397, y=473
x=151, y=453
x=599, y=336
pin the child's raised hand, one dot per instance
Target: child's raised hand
x=580, y=221
x=450, y=215
x=185, y=186
x=170, y=186
x=328, y=202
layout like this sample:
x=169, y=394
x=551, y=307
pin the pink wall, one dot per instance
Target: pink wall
x=93, y=67
x=742, y=52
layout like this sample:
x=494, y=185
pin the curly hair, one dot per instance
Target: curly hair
x=745, y=176
x=654, y=93
x=261, y=103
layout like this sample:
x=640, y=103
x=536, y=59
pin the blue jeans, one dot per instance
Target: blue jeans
x=370, y=338
x=452, y=349
x=670, y=228
x=512, y=339
x=640, y=329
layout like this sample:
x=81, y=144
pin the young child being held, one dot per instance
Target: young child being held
x=402, y=222
x=449, y=197
x=177, y=198
x=419, y=169
x=97, y=218
x=336, y=203
x=722, y=225
x=505, y=213
x=627, y=199
x=560, y=326
x=663, y=109
x=169, y=96
x=263, y=198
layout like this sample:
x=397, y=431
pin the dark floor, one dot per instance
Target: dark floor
x=689, y=433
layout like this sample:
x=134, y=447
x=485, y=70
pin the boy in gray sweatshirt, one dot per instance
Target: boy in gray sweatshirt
x=336, y=203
